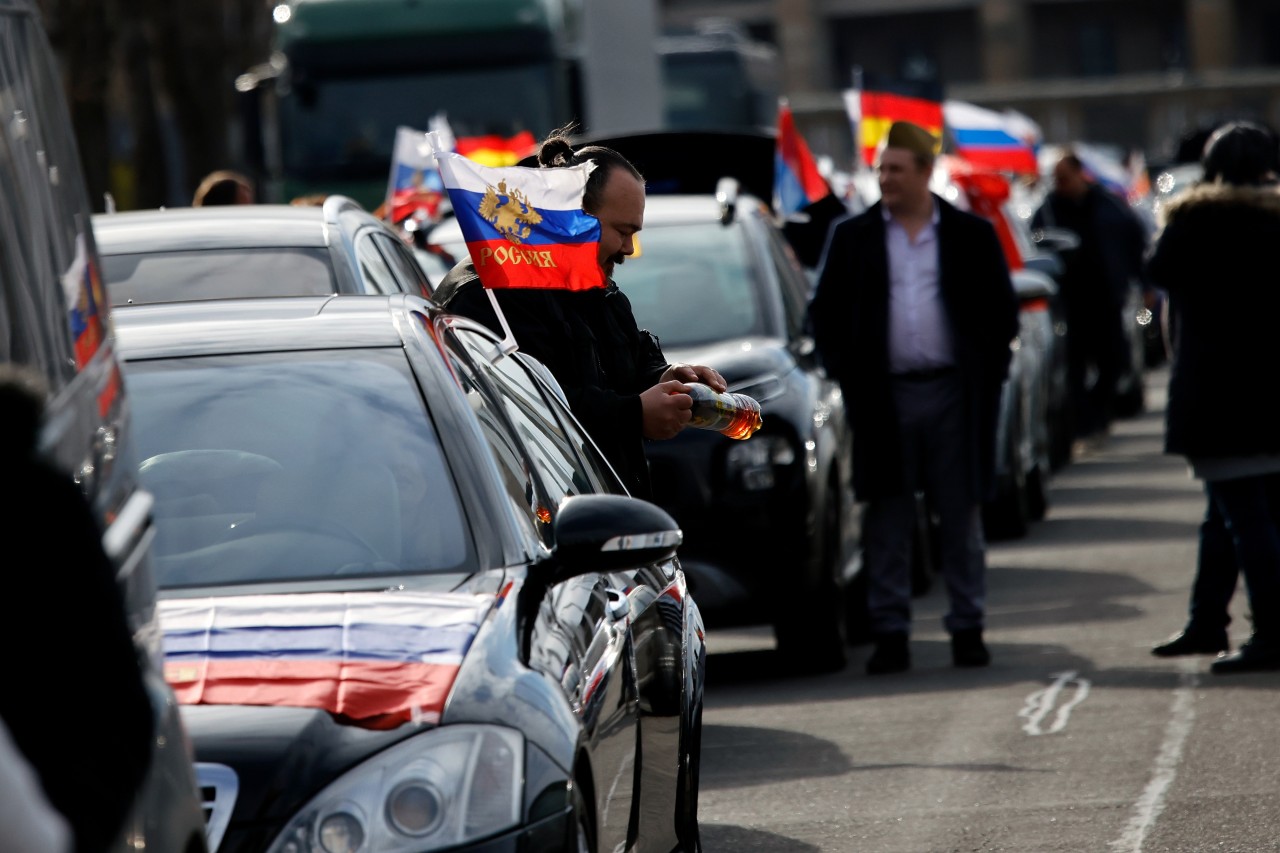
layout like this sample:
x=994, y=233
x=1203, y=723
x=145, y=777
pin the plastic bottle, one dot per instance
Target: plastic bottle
x=734, y=415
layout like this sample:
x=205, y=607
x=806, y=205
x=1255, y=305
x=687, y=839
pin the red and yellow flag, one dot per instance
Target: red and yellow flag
x=878, y=110
x=496, y=151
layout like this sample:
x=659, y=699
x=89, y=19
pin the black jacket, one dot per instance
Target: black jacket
x=850, y=316
x=1216, y=259
x=1108, y=262
x=590, y=342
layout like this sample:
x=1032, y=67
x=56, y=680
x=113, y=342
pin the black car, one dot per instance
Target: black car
x=406, y=603
x=771, y=529
x=242, y=250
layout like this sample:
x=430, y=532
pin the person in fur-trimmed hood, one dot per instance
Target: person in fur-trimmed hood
x=1215, y=258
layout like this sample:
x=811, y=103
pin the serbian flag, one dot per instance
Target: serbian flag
x=986, y=139
x=494, y=150
x=872, y=113
x=525, y=228
x=374, y=659
x=796, y=180
x=415, y=183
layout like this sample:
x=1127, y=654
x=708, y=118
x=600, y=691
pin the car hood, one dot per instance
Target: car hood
x=738, y=360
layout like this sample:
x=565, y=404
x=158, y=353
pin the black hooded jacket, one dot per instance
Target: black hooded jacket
x=1216, y=259
x=590, y=342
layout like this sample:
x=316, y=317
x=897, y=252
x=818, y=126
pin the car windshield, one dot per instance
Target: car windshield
x=285, y=466
x=139, y=279
x=693, y=284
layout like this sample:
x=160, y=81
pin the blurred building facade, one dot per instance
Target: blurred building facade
x=1135, y=73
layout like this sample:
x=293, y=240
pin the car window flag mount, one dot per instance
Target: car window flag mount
x=524, y=227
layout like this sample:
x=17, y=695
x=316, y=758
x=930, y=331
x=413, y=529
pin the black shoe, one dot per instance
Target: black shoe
x=892, y=654
x=1250, y=657
x=967, y=648
x=1188, y=642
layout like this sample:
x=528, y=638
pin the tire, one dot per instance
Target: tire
x=1008, y=514
x=687, y=784
x=1037, y=495
x=811, y=629
x=583, y=824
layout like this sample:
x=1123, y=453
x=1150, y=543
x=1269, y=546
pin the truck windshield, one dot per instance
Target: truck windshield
x=344, y=128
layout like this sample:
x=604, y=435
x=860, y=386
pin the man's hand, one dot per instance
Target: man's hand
x=666, y=409
x=696, y=373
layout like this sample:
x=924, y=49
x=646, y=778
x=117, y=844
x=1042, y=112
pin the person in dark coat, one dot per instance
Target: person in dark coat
x=1211, y=257
x=914, y=315
x=74, y=698
x=613, y=373
x=1096, y=285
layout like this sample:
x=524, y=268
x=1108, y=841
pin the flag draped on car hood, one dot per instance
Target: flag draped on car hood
x=376, y=659
x=525, y=228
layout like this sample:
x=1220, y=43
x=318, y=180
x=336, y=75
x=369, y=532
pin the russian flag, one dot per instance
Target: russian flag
x=525, y=228
x=415, y=183
x=376, y=659
x=987, y=139
x=796, y=180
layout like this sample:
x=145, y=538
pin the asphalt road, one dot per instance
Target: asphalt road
x=1074, y=739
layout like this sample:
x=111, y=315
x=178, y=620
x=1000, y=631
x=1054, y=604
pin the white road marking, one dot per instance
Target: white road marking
x=1038, y=705
x=1148, y=807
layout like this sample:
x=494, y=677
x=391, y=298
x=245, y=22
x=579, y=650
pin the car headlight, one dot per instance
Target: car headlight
x=438, y=789
x=751, y=462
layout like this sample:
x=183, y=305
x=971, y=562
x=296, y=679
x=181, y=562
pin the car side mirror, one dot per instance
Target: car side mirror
x=1046, y=262
x=1056, y=239
x=1031, y=285
x=608, y=533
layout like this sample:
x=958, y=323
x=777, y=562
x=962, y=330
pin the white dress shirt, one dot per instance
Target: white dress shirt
x=919, y=335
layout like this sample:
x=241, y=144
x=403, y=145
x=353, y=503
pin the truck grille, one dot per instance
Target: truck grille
x=219, y=786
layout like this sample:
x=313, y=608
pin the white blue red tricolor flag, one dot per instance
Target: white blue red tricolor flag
x=415, y=186
x=524, y=228
x=797, y=183
x=989, y=139
x=375, y=659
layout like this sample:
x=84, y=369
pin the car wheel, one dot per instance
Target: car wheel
x=1008, y=514
x=687, y=785
x=1133, y=401
x=1037, y=495
x=583, y=826
x=810, y=629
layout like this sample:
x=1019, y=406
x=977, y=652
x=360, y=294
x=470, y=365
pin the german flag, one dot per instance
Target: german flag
x=496, y=151
x=878, y=110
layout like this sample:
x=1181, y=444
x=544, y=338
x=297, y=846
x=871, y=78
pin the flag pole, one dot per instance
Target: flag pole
x=508, y=344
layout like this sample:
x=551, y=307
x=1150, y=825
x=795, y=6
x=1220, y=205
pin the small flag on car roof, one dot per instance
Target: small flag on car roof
x=524, y=228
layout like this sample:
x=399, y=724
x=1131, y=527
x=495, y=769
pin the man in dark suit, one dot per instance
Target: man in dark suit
x=913, y=314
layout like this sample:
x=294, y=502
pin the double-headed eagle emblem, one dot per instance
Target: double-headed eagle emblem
x=509, y=212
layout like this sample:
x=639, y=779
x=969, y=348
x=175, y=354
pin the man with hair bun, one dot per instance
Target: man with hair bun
x=913, y=314
x=614, y=375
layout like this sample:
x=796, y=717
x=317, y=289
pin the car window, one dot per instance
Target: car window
x=411, y=277
x=694, y=284
x=793, y=283
x=146, y=277
x=273, y=466
x=376, y=275
x=550, y=447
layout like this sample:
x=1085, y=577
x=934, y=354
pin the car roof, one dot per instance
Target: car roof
x=231, y=326
x=232, y=226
